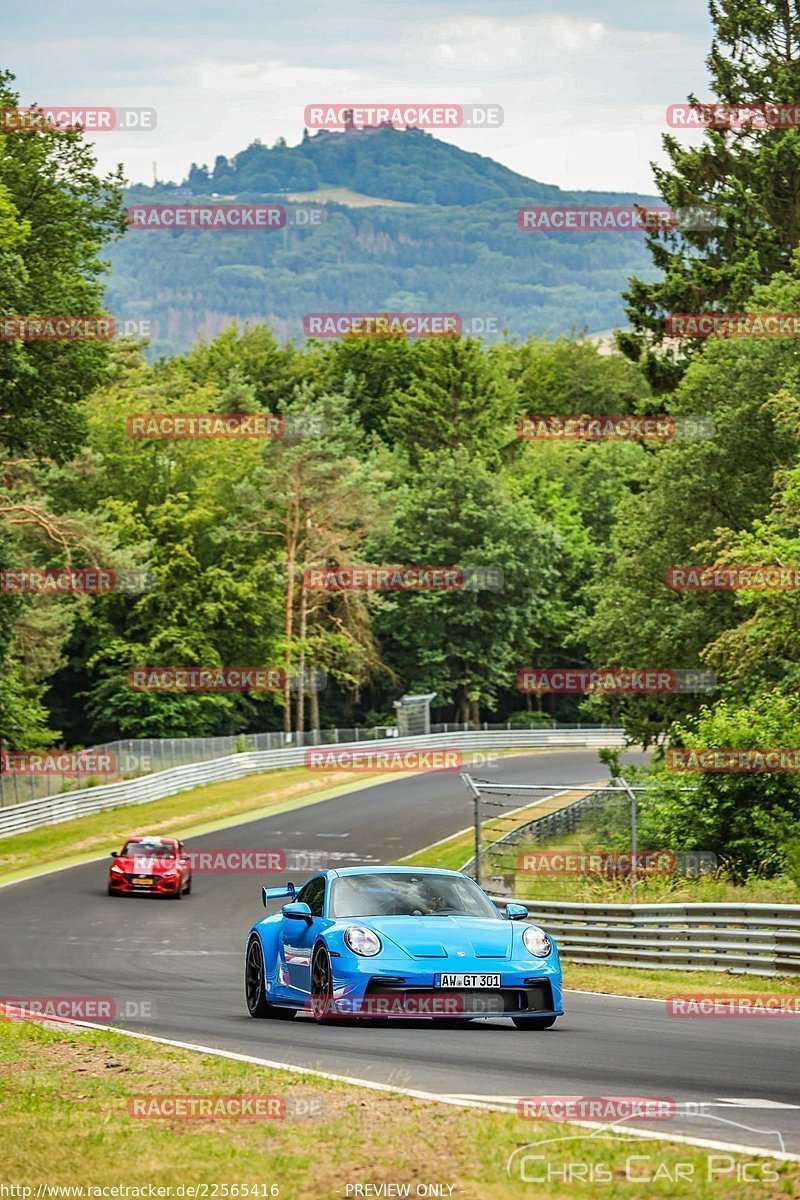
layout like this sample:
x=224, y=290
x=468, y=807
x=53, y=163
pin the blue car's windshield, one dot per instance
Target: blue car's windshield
x=408, y=895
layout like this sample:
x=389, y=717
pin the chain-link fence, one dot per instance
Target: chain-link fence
x=132, y=757
x=591, y=832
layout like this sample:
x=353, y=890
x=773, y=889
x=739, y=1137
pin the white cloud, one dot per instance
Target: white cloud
x=583, y=96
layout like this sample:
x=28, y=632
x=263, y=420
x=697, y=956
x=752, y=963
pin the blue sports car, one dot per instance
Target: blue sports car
x=399, y=941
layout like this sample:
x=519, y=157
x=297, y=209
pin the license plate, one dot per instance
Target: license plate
x=469, y=981
x=143, y=881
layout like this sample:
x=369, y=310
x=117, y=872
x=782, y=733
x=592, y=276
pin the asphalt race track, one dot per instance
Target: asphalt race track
x=62, y=935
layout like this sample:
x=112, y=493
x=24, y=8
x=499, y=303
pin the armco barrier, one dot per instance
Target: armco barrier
x=51, y=810
x=145, y=756
x=755, y=939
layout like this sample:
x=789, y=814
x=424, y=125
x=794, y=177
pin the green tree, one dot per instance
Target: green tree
x=692, y=490
x=760, y=649
x=460, y=399
x=251, y=355
x=750, y=177
x=745, y=818
x=312, y=502
x=468, y=645
x=168, y=505
x=56, y=214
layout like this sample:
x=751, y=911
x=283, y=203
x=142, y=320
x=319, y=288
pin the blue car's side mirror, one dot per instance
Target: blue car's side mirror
x=298, y=911
x=516, y=912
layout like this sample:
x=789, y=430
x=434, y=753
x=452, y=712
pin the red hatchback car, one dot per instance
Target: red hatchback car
x=150, y=866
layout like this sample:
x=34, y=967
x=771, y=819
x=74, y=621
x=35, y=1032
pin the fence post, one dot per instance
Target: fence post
x=632, y=798
x=477, y=798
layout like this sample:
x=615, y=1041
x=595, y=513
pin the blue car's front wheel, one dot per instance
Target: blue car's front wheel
x=254, y=989
x=321, y=985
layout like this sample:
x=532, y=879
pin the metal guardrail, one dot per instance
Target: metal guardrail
x=145, y=756
x=51, y=810
x=754, y=939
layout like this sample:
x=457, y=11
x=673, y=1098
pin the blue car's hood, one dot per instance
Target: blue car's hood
x=444, y=937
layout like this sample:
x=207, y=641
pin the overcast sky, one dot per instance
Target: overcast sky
x=583, y=86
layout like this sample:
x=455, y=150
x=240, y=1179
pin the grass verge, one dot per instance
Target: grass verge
x=715, y=887
x=64, y=1121
x=658, y=984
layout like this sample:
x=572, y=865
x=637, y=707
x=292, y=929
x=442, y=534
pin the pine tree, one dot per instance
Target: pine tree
x=749, y=175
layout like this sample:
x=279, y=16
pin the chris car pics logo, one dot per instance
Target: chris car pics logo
x=609, y=1155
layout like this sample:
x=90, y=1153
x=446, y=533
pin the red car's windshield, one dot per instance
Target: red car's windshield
x=147, y=850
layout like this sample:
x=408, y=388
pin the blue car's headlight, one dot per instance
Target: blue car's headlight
x=536, y=941
x=362, y=941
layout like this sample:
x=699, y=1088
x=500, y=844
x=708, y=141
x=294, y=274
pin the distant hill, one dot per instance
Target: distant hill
x=405, y=165
x=410, y=223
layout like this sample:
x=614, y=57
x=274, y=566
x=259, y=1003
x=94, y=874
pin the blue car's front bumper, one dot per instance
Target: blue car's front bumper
x=390, y=985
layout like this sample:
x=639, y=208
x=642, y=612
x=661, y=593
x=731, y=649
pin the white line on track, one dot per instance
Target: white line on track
x=753, y=1102
x=719, y=1102
x=616, y=996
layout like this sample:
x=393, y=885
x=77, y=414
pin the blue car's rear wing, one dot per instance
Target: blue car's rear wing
x=278, y=893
